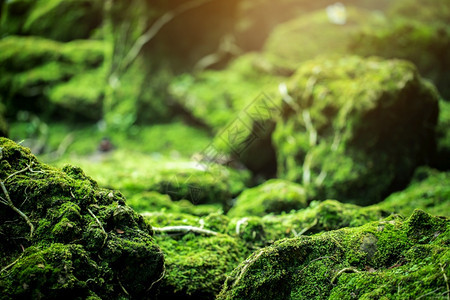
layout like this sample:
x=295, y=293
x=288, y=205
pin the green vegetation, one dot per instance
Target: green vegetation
x=241, y=149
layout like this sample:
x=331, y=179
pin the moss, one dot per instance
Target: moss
x=425, y=43
x=389, y=258
x=86, y=242
x=75, y=19
x=355, y=128
x=429, y=191
x=33, y=66
x=273, y=196
x=313, y=35
x=196, y=266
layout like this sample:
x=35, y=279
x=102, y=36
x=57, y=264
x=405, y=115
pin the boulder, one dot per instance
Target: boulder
x=355, y=129
x=395, y=257
x=63, y=236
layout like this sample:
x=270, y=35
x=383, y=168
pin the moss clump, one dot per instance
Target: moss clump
x=273, y=196
x=355, y=129
x=86, y=240
x=154, y=201
x=38, y=74
x=429, y=191
x=389, y=258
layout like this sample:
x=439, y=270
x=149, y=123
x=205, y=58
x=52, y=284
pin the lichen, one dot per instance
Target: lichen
x=86, y=242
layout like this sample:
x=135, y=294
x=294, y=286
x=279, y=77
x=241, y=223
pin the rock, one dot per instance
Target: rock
x=86, y=241
x=273, y=196
x=355, y=129
x=389, y=258
x=312, y=35
x=424, y=41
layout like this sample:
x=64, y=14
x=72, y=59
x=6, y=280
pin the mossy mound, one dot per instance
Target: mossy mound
x=355, y=129
x=52, y=78
x=75, y=19
x=393, y=258
x=429, y=191
x=62, y=236
x=156, y=202
x=312, y=35
x=274, y=196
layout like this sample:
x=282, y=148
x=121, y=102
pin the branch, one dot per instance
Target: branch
x=99, y=224
x=184, y=229
x=155, y=28
x=9, y=203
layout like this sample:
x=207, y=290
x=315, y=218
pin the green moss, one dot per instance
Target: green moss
x=75, y=19
x=33, y=66
x=312, y=35
x=355, y=129
x=273, y=196
x=390, y=258
x=429, y=191
x=442, y=159
x=89, y=242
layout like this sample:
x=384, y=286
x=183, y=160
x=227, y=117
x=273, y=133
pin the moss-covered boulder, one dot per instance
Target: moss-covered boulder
x=63, y=236
x=384, y=259
x=274, y=196
x=416, y=32
x=54, y=19
x=314, y=34
x=355, y=129
x=52, y=78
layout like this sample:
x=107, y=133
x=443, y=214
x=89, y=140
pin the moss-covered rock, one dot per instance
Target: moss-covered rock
x=429, y=190
x=355, y=129
x=52, y=78
x=384, y=259
x=54, y=19
x=418, y=33
x=312, y=35
x=62, y=236
x=274, y=196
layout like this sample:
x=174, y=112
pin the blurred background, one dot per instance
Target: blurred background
x=128, y=88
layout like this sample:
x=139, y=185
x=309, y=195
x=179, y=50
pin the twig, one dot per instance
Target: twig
x=155, y=28
x=101, y=226
x=18, y=172
x=185, y=229
x=9, y=203
x=11, y=264
x=247, y=264
x=123, y=288
x=314, y=223
x=429, y=293
x=316, y=259
x=349, y=269
x=446, y=280
x=159, y=279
